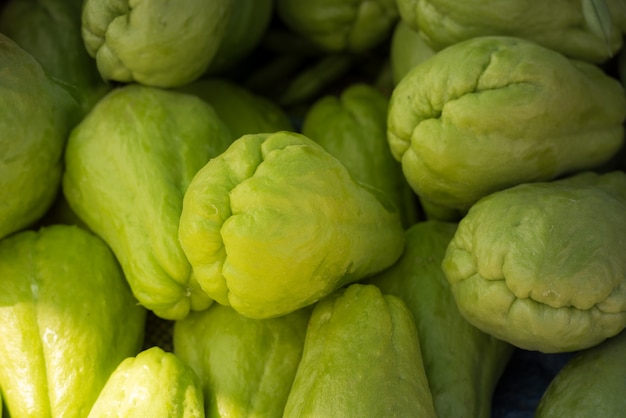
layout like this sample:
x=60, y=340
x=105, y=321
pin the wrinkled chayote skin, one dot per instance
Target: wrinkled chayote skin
x=352, y=126
x=246, y=366
x=541, y=265
x=361, y=359
x=589, y=30
x=50, y=30
x=35, y=120
x=68, y=318
x=243, y=111
x=591, y=384
x=340, y=25
x=155, y=383
x=247, y=22
x=462, y=363
x=158, y=43
x=275, y=223
x=492, y=112
x=407, y=49
x=128, y=164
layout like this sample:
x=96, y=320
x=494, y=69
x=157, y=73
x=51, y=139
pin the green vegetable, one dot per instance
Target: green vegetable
x=590, y=30
x=246, y=366
x=462, y=363
x=407, y=49
x=61, y=306
x=275, y=223
x=36, y=117
x=361, y=359
x=353, y=127
x=340, y=25
x=493, y=112
x=243, y=111
x=128, y=164
x=541, y=265
x=154, y=383
x=157, y=43
x=591, y=384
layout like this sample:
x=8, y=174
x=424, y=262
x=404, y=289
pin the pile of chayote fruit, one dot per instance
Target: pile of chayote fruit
x=324, y=208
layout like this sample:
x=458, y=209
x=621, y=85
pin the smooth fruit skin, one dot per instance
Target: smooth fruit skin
x=68, y=318
x=361, y=358
x=155, y=384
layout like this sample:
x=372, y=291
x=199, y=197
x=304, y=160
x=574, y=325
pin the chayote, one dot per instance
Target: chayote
x=50, y=30
x=590, y=30
x=248, y=21
x=36, y=118
x=67, y=318
x=462, y=363
x=128, y=164
x=340, y=25
x=246, y=366
x=158, y=43
x=591, y=384
x=541, y=265
x=492, y=112
x=275, y=223
x=361, y=358
x=243, y=111
x=407, y=49
x=154, y=383
x=352, y=126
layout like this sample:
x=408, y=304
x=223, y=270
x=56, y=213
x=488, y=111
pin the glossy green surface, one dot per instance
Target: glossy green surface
x=63, y=300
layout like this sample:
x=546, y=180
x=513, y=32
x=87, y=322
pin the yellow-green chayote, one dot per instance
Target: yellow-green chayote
x=361, y=358
x=275, y=223
x=340, y=25
x=589, y=30
x=154, y=383
x=243, y=111
x=36, y=117
x=128, y=164
x=493, y=112
x=352, y=126
x=67, y=318
x=462, y=363
x=50, y=30
x=541, y=265
x=246, y=366
x=591, y=384
x=158, y=43
x=407, y=49
x=248, y=21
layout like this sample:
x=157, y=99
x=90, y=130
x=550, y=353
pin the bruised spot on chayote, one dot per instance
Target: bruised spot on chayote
x=275, y=223
x=541, y=265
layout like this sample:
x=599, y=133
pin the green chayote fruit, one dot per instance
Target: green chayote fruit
x=243, y=111
x=36, y=117
x=492, y=112
x=591, y=384
x=155, y=384
x=128, y=164
x=50, y=30
x=247, y=22
x=541, y=265
x=361, y=358
x=340, y=25
x=462, y=363
x=353, y=127
x=67, y=318
x=407, y=49
x=246, y=366
x=157, y=43
x=589, y=30
x=275, y=223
